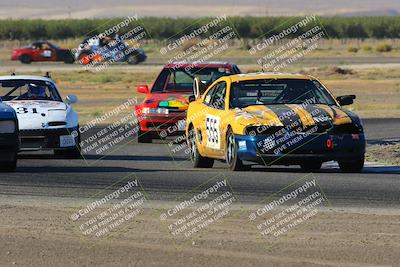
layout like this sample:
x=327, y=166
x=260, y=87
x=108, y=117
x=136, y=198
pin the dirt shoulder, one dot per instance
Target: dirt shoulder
x=384, y=153
x=41, y=233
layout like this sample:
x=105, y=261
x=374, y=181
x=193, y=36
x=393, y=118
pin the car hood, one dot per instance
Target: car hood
x=36, y=114
x=167, y=100
x=284, y=115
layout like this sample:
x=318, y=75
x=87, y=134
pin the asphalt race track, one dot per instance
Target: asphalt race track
x=166, y=175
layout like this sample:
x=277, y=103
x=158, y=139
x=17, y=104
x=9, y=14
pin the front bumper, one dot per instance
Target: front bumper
x=9, y=146
x=170, y=124
x=313, y=147
x=42, y=139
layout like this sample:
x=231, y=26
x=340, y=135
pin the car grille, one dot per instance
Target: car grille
x=176, y=111
x=57, y=123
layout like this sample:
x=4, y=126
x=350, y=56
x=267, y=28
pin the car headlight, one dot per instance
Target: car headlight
x=155, y=111
x=7, y=126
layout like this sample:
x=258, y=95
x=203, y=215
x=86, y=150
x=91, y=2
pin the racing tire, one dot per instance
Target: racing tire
x=82, y=55
x=74, y=153
x=352, y=166
x=198, y=161
x=132, y=60
x=231, y=153
x=69, y=59
x=9, y=166
x=311, y=165
x=144, y=137
x=25, y=59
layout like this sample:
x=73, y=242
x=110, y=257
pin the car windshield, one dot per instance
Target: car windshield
x=181, y=79
x=28, y=90
x=53, y=45
x=278, y=91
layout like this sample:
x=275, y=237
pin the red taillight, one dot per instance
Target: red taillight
x=329, y=144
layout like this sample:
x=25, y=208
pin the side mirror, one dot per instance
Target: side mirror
x=198, y=87
x=144, y=89
x=345, y=100
x=71, y=99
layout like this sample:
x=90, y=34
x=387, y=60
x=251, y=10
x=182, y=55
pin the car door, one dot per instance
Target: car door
x=214, y=120
x=47, y=52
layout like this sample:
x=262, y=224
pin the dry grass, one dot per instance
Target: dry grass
x=389, y=154
x=100, y=92
x=377, y=90
x=239, y=48
x=375, y=99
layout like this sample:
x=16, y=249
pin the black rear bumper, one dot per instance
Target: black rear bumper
x=9, y=146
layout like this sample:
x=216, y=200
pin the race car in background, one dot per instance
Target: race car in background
x=108, y=49
x=42, y=51
x=274, y=118
x=163, y=111
x=45, y=121
x=9, y=138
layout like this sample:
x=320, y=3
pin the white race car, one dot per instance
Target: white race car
x=45, y=121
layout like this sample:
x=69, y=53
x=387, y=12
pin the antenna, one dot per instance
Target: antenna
x=47, y=75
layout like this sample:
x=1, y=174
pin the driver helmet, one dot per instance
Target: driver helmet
x=36, y=91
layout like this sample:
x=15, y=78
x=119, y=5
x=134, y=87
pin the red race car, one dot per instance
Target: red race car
x=42, y=51
x=163, y=112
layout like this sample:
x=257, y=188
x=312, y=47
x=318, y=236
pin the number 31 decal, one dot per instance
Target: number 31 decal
x=23, y=110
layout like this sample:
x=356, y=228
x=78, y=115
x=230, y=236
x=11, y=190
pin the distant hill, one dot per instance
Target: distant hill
x=57, y=9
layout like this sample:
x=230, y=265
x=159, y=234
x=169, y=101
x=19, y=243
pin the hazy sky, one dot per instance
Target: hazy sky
x=190, y=8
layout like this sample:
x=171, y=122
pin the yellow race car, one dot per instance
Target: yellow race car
x=273, y=118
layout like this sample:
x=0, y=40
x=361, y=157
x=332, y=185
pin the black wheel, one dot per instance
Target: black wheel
x=9, y=166
x=311, y=165
x=198, y=161
x=132, y=60
x=355, y=165
x=74, y=153
x=144, y=137
x=84, y=58
x=231, y=154
x=69, y=59
x=26, y=59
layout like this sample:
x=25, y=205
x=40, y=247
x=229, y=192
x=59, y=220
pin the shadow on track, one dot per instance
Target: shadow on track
x=100, y=157
x=366, y=170
x=75, y=169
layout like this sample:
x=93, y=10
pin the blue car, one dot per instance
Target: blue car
x=9, y=138
x=95, y=50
